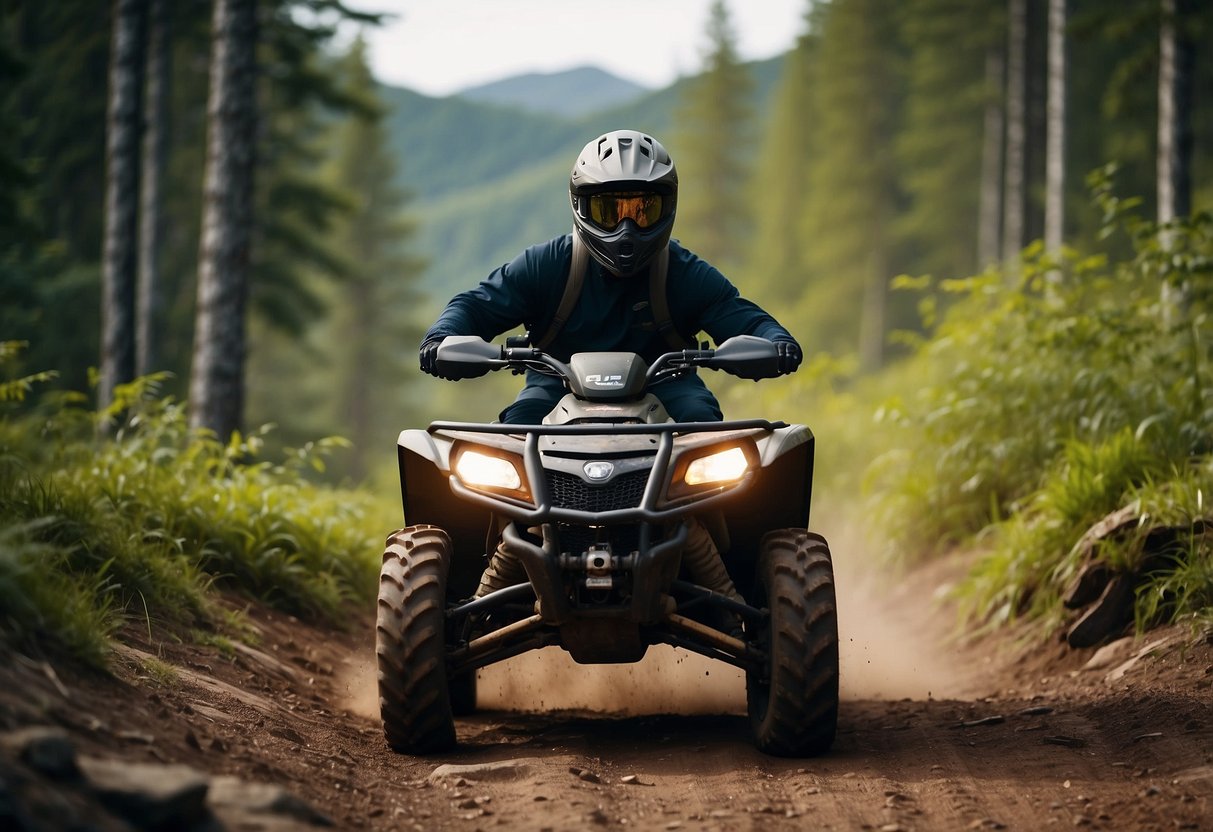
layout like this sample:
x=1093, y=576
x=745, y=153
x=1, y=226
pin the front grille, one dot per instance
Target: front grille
x=578, y=539
x=572, y=492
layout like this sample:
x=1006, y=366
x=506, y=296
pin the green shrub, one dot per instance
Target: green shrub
x=152, y=520
x=1046, y=403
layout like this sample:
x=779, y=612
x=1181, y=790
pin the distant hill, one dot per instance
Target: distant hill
x=489, y=180
x=568, y=94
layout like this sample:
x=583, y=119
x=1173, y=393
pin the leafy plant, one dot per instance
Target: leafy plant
x=1045, y=404
x=152, y=522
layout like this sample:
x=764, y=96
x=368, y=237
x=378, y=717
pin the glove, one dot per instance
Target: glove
x=429, y=356
x=789, y=356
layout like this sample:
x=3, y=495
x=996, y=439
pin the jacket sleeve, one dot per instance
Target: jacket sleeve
x=511, y=295
x=709, y=302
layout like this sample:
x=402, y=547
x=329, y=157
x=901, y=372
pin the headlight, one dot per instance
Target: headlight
x=475, y=468
x=721, y=467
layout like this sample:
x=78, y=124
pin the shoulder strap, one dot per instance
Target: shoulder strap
x=660, y=303
x=657, y=298
x=572, y=290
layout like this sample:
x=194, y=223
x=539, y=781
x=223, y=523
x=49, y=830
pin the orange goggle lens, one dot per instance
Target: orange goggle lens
x=610, y=209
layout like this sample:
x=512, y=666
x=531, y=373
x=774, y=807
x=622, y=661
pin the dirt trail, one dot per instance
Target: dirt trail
x=931, y=736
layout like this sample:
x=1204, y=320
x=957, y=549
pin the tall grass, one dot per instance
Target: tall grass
x=1047, y=402
x=149, y=523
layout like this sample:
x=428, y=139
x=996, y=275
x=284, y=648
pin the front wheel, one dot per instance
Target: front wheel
x=414, y=693
x=793, y=699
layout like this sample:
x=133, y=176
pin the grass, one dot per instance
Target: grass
x=151, y=524
x=1043, y=405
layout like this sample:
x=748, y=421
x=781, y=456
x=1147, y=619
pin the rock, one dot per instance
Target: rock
x=231, y=795
x=149, y=795
x=501, y=770
x=1107, y=616
x=1109, y=654
x=599, y=817
x=45, y=749
x=288, y=734
x=1120, y=671
x=984, y=721
x=1068, y=742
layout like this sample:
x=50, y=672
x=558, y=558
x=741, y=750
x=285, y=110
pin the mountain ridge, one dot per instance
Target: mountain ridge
x=567, y=93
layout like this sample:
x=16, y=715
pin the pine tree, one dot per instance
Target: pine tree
x=939, y=147
x=1055, y=165
x=775, y=265
x=119, y=261
x=711, y=150
x=150, y=290
x=1014, y=205
x=853, y=193
x=372, y=321
x=217, y=372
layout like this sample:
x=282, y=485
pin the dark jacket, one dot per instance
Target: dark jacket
x=612, y=314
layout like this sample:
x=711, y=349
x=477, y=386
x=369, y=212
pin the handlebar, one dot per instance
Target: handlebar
x=467, y=356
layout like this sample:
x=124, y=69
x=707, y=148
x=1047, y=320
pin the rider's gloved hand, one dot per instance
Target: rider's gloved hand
x=429, y=356
x=789, y=355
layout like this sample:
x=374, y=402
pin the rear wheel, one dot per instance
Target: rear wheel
x=793, y=700
x=414, y=692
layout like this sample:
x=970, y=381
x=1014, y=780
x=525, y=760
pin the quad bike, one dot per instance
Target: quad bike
x=597, y=504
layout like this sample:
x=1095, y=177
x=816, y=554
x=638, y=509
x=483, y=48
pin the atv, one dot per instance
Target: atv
x=597, y=504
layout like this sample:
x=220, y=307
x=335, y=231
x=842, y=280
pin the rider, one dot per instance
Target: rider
x=624, y=191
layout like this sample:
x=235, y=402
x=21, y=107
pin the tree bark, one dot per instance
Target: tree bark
x=1013, y=178
x=1174, y=164
x=119, y=257
x=1055, y=141
x=217, y=371
x=150, y=299
x=990, y=219
x=1174, y=115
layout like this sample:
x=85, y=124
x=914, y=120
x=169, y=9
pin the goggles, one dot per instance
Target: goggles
x=607, y=210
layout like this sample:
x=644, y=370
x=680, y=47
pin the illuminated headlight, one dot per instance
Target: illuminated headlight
x=721, y=467
x=477, y=469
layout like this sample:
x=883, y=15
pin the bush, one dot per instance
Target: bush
x=149, y=523
x=1048, y=402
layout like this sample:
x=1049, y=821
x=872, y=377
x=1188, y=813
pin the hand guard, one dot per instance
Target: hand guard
x=789, y=356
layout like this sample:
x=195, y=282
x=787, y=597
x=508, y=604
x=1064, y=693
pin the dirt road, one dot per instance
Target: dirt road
x=931, y=736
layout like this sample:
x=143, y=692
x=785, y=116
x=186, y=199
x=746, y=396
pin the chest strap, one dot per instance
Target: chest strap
x=658, y=301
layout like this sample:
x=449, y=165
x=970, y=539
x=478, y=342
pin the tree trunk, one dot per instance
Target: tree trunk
x=150, y=302
x=990, y=220
x=1013, y=179
x=358, y=387
x=1055, y=142
x=119, y=258
x=1174, y=115
x=872, y=315
x=217, y=371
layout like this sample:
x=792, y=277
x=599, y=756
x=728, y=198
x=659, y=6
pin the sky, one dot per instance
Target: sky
x=438, y=47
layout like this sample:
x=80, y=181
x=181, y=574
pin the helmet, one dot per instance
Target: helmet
x=624, y=190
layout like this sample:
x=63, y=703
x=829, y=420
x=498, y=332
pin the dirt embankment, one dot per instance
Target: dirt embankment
x=932, y=735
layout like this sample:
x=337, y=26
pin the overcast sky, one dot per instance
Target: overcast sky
x=438, y=47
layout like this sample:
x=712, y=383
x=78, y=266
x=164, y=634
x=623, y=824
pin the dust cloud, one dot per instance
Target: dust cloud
x=894, y=644
x=666, y=680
